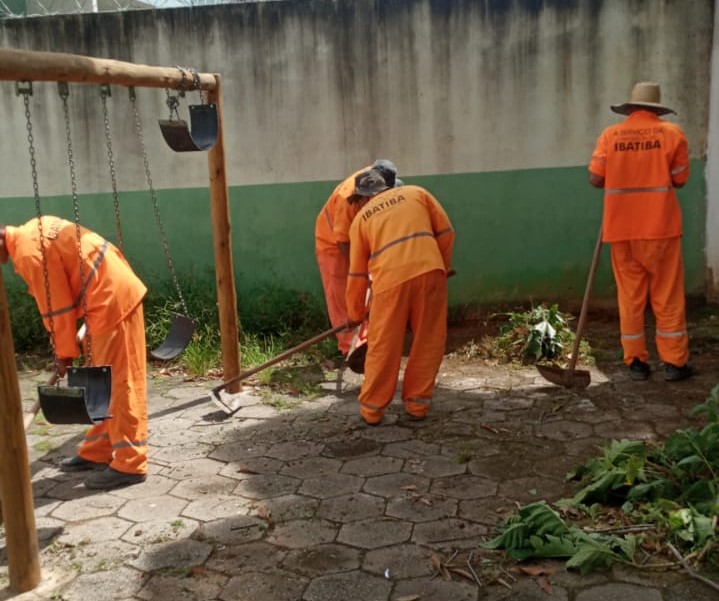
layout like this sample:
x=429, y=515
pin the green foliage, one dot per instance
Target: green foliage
x=540, y=334
x=537, y=531
x=28, y=332
x=671, y=489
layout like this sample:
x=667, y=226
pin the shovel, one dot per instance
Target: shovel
x=571, y=377
x=231, y=409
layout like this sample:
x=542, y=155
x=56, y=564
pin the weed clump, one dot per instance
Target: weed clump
x=539, y=335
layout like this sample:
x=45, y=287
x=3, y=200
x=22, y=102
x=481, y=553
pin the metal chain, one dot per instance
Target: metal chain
x=104, y=93
x=26, y=92
x=64, y=91
x=173, y=102
x=155, y=204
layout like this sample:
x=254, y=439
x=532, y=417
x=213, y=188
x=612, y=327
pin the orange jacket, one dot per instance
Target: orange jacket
x=399, y=234
x=111, y=289
x=641, y=159
x=333, y=222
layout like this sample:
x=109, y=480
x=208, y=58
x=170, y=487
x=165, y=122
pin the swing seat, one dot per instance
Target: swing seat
x=203, y=133
x=178, y=337
x=85, y=400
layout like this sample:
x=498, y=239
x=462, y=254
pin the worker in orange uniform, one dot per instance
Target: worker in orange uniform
x=402, y=241
x=639, y=163
x=332, y=228
x=44, y=252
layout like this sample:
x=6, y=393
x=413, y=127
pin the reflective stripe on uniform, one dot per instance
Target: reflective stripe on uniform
x=399, y=241
x=679, y=170
x=677, y=334
x=419, y=401
x=371, y=406
x=83, y=289
x=103, y=436
x=637, y=190
x=633, y=336
x=128, y=443
x=445, y=231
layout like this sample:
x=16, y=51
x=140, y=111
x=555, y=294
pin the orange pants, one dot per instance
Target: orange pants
x=422, y=303
x=333, y=269
x=121, y=440
x=653, y=270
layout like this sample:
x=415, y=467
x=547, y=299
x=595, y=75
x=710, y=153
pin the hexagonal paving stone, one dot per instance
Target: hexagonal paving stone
x=145, y=510
x=97, y=530
x=331, y=486
x=257, y=586
x=286, y=507
x=322, y=559
x=232, y=531
x=354, y=447
x=290, y=451
x=155, y=486
x=352, y=507
x=394, y=433
x=435, y=467
x=180, y=453
x=266, y=487
x=410, y=449
x=348, y=586
x=534, y=488
x=392, y=485
x=238, y=451
x=375, y=533
x=464, y=487
x=251, y=466
x=311, y=467
x=103, y=586
x=421, y=507
x=250, y=557
x=179, y=554
x=632, y=430
x=160, y=586
x=194, y=488
x=447, y=529
x=429, y=589
x=103, y=556
x=563, y=430
x=191, y=469
x=490, y=511
x=213, y=508
x=158, y=531
x=375, y=465
x=93, y=506
x=402, y=561
x=297, y=534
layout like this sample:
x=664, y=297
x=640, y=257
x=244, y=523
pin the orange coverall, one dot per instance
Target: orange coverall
x=115, y=325
x=332, y=227
x=641, y=160
x=402, y=239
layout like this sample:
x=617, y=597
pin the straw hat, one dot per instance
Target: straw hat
x=644, y=93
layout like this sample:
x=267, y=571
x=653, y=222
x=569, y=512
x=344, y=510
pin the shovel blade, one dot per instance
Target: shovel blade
x=577, y=378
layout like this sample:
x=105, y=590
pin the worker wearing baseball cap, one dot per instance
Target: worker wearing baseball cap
x=401, y=240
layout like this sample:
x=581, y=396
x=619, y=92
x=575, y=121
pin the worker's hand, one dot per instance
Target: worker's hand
x=351, y=325
x=61, y=366
x=451, y=273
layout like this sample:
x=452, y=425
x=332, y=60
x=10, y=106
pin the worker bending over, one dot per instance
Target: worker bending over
x=402, y=240
x=332, y=228
x=44, y=252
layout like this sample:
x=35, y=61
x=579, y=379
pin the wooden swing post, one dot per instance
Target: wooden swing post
x=15, y=488
x=26, y=65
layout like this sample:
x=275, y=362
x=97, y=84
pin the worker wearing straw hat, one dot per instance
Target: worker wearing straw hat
x=640, y=162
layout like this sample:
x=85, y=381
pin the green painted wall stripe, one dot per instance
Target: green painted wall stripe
x=521, y=235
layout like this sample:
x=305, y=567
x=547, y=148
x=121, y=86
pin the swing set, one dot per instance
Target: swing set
x=86, y=397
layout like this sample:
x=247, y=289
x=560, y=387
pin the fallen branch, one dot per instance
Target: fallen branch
x=691, y=572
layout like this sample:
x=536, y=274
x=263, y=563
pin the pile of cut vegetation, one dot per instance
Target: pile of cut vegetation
x=539, y=335
x=643, y=504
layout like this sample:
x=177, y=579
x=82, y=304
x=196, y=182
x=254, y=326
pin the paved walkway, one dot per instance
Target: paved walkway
x=293, y=500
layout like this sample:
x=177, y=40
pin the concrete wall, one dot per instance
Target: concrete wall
x=494, y=105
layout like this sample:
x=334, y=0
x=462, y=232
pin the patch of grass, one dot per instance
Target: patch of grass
x=465, y=456
x=44, y=446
